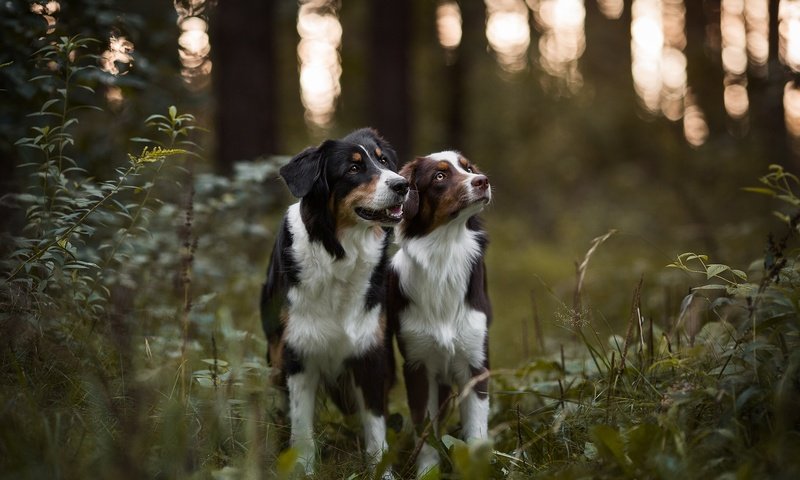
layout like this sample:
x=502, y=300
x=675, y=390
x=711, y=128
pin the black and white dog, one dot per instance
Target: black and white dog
x=437, y=303
x=322, y=303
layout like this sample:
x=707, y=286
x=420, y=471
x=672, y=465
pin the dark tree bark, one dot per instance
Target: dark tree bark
x=460, y=69
x=389, y=73
x=705, y=77
x=245, y=81
x=771, y=101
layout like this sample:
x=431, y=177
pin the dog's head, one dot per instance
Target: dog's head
x=445, y=186
x=347, y=182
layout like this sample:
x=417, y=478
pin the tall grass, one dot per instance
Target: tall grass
x=714, y=400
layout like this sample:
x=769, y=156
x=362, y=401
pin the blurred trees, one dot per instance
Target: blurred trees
x=566, y=165
x=246, y=81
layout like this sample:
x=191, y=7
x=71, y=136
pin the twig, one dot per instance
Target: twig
x=537, y=323
x=424, y=436
x=635, y=305
x=580, y=270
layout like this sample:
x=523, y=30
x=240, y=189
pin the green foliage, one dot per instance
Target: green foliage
x=711, y=402
x=60, y=256
x=89, y=381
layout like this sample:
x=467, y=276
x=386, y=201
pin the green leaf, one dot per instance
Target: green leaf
x=609, y=445
x=286, y=462
x=432, y=474
x=782, y=216
x=49, y=103
x=173, y=112
x=211, y=361
x=760, y=190
x=204, y=381
x=449, y=441
x=711, y=286
x=715, y=269
x=155, y=116
x=643, y=441
x=42, y=114
x=743, y=289
x=790, y=199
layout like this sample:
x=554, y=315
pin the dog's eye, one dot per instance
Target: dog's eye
x=470, y=170
x=383, y=159
x=439, y=176
x=353, y=168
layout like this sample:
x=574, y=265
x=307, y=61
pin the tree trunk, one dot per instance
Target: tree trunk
x=245, y=83
x=389, y=72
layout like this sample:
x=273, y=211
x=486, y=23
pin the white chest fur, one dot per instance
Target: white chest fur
x=329, y=321
x=438, y=327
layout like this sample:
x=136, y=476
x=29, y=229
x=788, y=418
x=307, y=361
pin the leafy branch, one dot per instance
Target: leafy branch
x=780, y=184
x=698, y=264
x=61, y=241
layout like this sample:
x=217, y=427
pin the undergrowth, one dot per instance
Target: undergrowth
x=710, y=393
x=131, y=348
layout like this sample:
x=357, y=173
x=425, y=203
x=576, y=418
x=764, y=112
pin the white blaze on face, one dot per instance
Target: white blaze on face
x=384, y=196
x=473, y=193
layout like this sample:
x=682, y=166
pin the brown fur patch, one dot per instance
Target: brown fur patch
x=378, y=152
x=356, y=157
x=436, y=201
x=344, y=211
x=441, y=203
x=380, y=333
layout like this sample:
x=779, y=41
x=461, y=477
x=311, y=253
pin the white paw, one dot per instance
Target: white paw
x=428, y=459
x=306, y=457
x=387, y=475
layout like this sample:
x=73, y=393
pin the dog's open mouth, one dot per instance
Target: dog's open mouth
x=389, y=215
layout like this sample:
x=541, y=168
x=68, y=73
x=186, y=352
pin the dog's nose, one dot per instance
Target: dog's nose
x=399, y=186
x=481, y=182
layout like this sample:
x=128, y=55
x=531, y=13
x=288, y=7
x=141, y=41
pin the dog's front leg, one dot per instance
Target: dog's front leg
x=369, y=385
x=302, y=395
x=375, y=439
x=474, y=407
x=423, y=401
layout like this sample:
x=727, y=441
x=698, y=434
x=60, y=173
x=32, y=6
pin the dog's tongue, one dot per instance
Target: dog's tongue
x=395, y=211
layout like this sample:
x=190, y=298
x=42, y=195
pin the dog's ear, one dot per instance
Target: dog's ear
x=411, y=205
x=305, y=169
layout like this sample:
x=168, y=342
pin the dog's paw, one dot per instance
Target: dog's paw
x=427, y=460
x=388, y=474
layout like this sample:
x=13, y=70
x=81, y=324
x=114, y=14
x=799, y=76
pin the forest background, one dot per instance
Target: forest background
x=140, y=145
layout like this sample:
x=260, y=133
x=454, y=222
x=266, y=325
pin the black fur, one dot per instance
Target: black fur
x=376, y=294
x=477, y=295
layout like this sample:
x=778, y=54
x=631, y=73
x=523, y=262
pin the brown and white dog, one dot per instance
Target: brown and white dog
x=322, y=303
x=437, y=301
